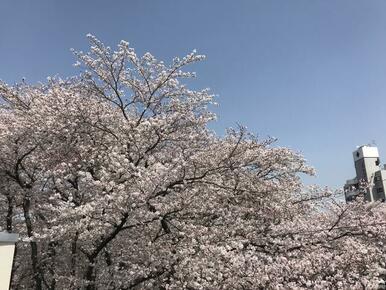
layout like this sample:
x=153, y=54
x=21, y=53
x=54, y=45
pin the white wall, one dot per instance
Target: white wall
x=6, y=258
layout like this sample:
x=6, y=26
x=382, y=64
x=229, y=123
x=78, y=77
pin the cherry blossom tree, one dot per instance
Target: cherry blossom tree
x=114, y=181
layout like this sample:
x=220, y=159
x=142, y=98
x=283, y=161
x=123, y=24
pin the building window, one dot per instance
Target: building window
x=379, y=190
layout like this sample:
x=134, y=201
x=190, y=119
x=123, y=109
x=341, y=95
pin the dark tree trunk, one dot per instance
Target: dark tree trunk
x=9, y=213
x=90, y=275
x=36, y=270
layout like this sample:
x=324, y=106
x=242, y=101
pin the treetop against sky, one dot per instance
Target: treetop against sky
x=311, y=73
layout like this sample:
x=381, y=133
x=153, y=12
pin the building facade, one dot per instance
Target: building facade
x=370, y=177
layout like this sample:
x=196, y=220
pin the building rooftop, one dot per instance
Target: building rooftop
x=8, y=238
x=365, y=151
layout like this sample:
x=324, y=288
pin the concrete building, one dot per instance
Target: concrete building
x=7, y=249
x=370, y=178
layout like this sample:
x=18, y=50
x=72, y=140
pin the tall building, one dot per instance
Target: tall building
x=370, y=178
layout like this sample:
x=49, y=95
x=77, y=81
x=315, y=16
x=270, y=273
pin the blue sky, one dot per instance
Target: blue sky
x=310, y=72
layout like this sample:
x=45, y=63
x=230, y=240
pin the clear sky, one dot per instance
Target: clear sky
x=310, y=72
